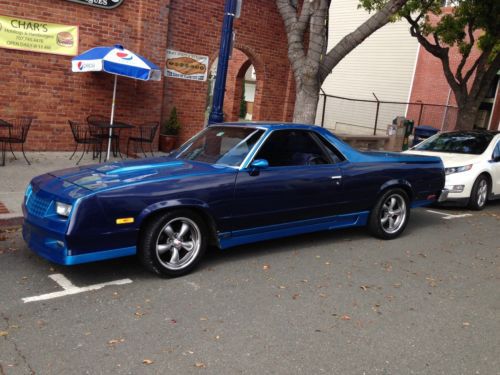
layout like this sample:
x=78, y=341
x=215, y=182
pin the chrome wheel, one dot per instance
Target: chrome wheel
x=178, y=243
x=482, y=193
x=393, y=213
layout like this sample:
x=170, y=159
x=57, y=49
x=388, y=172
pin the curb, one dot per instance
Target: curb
x=11, y=222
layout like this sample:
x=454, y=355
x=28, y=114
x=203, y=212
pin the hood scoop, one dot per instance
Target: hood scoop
x=111, y=170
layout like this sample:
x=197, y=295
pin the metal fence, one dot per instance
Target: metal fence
x=365, y=117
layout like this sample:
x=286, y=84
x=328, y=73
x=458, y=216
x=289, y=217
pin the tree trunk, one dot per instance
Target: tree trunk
x=306, y=103
x=466, y=116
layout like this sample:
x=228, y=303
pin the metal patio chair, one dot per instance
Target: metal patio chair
x=146, y=134
x=18, y=132
x=82, y=136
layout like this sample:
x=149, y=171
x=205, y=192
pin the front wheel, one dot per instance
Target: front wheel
x=172, y=244
x=479, y=193
x=390, y=215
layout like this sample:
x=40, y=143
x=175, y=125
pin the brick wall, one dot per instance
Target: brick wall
x=238, y=65
x=195, y=27
x=43, y=86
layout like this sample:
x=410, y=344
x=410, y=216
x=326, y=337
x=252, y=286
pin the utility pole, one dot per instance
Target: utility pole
x=217, y=114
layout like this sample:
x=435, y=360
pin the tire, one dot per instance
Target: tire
x=479, y=193
x=391, y=213
x=173, y=243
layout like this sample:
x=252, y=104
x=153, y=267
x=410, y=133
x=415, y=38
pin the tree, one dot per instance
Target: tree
x=471, y=24
x=312, y=65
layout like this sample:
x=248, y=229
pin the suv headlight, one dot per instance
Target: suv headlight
x=458, y=169
x=63, y=209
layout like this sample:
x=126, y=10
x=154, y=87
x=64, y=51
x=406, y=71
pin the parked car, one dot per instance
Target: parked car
x=231, y=184
x=472, y=165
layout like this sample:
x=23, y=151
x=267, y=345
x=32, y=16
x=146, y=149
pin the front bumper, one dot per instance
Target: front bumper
x=52, y=246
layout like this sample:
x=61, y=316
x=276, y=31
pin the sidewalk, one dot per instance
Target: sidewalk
x=16, y=174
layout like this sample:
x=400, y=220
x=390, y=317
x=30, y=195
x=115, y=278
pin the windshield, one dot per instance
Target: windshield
x=459, y=143
x=220, y=145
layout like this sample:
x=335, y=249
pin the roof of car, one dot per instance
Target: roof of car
x=269, y=125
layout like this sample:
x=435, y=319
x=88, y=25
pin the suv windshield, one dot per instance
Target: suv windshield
x=459, y=143
x=220, y=145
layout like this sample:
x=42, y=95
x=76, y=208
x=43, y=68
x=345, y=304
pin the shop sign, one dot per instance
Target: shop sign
x=38, y=36
x=186, y=66
x=106, y=4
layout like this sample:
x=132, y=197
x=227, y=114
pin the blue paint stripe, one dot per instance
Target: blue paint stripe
x=290, y=229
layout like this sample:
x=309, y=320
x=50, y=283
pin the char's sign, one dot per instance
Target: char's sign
x=38, y=36
x=186, y=66
x=106, y=4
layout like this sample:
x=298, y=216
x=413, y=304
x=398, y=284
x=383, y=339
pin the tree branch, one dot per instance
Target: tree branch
x=465, y=55
x=352, y=40
x=484, y=77
x=438, y=51
x=295, y=30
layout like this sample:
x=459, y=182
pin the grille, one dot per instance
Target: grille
x=37, y=206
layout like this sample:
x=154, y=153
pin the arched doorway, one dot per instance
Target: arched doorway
x=244, y=86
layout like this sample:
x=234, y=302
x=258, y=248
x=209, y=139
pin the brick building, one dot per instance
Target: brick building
x=43, y=86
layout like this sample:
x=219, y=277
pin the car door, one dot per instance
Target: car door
x=303, y=181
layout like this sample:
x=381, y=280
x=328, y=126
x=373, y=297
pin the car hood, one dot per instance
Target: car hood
x=111, y=175
x=449, y=159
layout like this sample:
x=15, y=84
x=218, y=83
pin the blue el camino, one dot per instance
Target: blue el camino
x=229, y=185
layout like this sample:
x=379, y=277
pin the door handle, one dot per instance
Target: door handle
x=336, y=179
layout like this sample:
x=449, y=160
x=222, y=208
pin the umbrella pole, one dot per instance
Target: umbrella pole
x=112, y=118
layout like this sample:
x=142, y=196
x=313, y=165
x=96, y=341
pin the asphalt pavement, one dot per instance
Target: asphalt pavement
x=336, y=302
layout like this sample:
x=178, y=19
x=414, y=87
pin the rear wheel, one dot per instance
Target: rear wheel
x=390, y=215
x=173, y=244
x=479, y=193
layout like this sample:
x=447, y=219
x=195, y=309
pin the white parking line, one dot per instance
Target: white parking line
x=70, y=289
x=447, y=216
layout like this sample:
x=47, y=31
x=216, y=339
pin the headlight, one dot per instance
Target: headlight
x=63, y=209
x=458, y=169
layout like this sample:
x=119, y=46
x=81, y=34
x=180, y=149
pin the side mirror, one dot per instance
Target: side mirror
x=259, y=164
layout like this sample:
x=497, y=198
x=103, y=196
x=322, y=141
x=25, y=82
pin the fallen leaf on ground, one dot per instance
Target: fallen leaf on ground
x=364, y=287
x=200, y=365
x=115, y=341
x=147, y=361
x=345, y=317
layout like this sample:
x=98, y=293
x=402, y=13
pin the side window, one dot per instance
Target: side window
x=332, y=152
x=292, y=148
x=496, y=152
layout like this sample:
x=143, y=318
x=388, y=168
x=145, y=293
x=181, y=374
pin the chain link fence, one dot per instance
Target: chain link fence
x=371, y=117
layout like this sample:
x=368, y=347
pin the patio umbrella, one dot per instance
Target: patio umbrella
x=120, y=62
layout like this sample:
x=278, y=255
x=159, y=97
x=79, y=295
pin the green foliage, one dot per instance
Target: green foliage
x=172, y=125
x=452, y=29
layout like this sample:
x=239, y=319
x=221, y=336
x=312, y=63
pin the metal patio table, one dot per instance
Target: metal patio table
x=117, y=127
